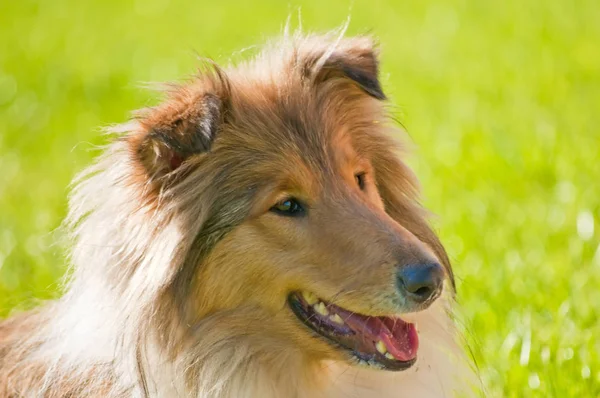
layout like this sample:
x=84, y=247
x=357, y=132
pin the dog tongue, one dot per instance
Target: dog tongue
x=399, y=337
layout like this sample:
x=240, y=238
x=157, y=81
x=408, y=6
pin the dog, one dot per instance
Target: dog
x=256, y=235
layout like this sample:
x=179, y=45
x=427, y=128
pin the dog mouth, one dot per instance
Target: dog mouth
x=378, y=341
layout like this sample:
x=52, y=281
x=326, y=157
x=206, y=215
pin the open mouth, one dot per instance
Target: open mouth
x=382, y=342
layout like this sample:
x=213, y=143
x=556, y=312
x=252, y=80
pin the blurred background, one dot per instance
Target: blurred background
x=500, y=99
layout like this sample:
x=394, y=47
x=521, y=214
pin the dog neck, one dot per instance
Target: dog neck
x=229, y=357
x=228, y=362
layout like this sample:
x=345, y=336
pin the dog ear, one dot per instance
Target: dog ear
x=357, y=60
x=183, y=126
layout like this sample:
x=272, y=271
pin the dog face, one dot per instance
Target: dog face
x=309, y=222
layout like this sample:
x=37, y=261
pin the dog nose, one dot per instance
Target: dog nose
x=420, y=282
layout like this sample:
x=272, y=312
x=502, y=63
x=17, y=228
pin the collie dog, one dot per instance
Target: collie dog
x=256, y=235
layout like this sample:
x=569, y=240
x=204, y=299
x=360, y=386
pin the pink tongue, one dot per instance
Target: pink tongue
x=399, y=337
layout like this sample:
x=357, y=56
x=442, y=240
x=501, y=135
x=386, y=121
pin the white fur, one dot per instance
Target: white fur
x=109, y=322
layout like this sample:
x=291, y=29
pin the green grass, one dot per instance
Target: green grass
x=501, y=99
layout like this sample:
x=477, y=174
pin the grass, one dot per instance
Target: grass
x=500, y=98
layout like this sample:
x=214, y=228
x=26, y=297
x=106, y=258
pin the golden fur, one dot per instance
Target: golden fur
x=180, y=271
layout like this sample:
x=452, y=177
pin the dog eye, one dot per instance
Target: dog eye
x=288, y=207
x=360, y=180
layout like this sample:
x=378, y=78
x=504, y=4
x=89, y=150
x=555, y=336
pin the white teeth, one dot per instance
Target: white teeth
x=381, y=347
x=389, y=356
x=321, y=309
x=310, y=298
x=337, y=319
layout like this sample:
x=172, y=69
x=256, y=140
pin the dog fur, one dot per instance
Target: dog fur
x=180, y=272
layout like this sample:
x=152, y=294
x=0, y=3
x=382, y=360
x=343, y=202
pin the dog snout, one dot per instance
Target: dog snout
x=420, y=282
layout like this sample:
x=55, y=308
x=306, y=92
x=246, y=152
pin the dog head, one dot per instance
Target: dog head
x=301, y=220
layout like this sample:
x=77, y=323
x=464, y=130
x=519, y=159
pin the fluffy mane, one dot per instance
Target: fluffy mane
x=140, y=230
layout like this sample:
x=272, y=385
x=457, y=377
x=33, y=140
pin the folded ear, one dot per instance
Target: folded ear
x=355, y=59
x=186, y=124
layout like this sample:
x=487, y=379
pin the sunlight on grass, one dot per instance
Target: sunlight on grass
x=500, y=99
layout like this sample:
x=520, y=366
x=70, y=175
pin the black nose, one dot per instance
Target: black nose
x=420, y=282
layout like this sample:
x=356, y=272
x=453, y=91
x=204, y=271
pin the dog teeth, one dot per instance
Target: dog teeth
x=380, y=346
x=337, y=319
x=321, y=309
x=310, y=298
